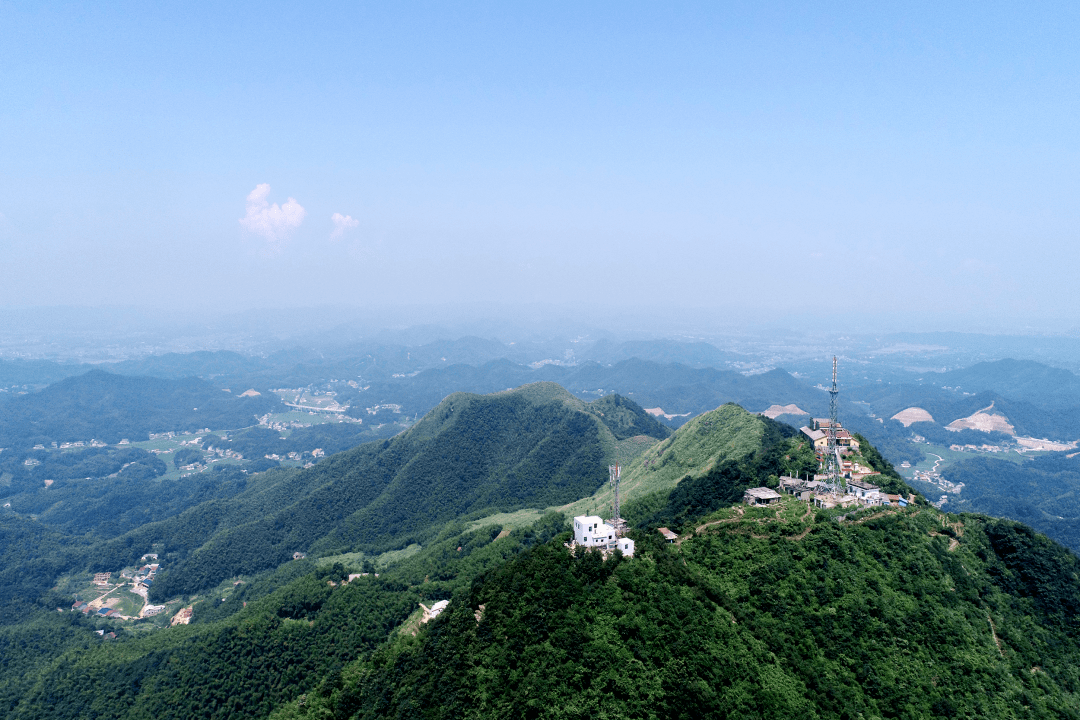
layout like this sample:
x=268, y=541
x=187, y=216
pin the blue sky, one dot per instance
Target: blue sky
x=720, y=156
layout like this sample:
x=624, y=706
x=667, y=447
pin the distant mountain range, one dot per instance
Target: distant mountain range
x=1037, y=400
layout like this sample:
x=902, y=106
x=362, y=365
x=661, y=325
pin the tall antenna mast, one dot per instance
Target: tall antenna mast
x=614, y=471
x=833, y=461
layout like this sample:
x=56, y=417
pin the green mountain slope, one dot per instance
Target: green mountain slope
x=709, y=443
x=259, y=648
x=531, y=447
x=1043, y=492
x=897, y=614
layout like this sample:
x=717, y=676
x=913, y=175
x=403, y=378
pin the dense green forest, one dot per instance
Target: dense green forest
x=276, y=635
x=896, y=614
x=111, y=506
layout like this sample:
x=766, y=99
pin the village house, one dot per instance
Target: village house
x=591, y=531
x=668, y=535
x=817, y=438
x=900, y=500
x=803, y=489
x=831, y=500
x=761, y=496
x=862, y=489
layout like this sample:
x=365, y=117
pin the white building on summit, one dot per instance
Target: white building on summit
x=592, y=531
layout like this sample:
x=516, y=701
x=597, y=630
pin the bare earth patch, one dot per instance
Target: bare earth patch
x=776, y=411
x=912, y=415
x=983, y=420
x=1029, y=443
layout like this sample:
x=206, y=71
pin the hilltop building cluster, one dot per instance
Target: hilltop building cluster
x=823, y=495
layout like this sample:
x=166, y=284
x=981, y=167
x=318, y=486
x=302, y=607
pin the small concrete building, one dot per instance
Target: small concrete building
x=592, y=531
x=626, y=546
x=760, y=496
x=897, y=500
x=862, y=489
x=790, y=484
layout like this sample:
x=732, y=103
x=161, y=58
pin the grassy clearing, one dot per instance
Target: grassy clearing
x=127, y=603
x=512, y=521
x=355, y=560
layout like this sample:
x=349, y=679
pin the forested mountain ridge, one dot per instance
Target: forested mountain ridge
x=100, y=405
x=711, y=460
x=1043, y=492
x=1022, y=380
x=535, y=446
x=693, y=449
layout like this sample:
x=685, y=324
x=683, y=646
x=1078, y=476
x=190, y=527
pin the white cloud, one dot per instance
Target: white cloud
x=341, y=224
x=272, y=222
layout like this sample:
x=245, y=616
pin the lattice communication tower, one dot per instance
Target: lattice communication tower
x=614, y=471
x=833, y=455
